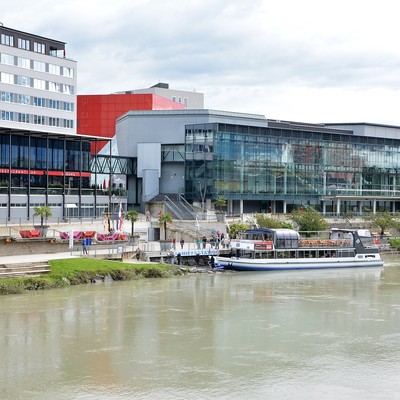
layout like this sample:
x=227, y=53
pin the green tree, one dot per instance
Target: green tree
x=163, y=219
x=43, y=212
x=132, y=216
x=383, y=221
x=234, y=229
x=266, y=221
x=309, y=220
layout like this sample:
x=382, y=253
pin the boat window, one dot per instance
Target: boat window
x=287, y=239
x=368, y=242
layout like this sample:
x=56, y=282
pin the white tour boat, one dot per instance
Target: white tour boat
x=283, y=249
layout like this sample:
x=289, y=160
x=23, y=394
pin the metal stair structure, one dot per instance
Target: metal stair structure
x=176, y=205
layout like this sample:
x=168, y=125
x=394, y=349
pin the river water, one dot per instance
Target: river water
x=331, y=334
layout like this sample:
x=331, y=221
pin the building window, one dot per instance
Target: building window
x=39, y=120
x=24, y=99
x=67, y=106
x=7, y=40
x=39, y=48
x=68, y=72
x=39, y=84
x=39, y=102
x=54, y=87
x=24, y=44
x=23, y=62
x=54, y=121
x=53, y=51
x=7, y=78
x=23, y=80
x=7, y=115
x=24, y=118
x=54, y=104
x=68, y=89
x=39, y=66
x=7, y=97
x=68, y=123
x=7, y=59
x=54, y=69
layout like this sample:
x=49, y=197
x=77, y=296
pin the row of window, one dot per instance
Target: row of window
x=36, y=119
x=10, y=97
x=33, y=205
x=40, y=66
x=41, y=153
x=37, y=83
x=25, y=44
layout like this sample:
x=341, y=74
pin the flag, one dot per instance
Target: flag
x=104, y=222
x=116, y=221
x=120, y=217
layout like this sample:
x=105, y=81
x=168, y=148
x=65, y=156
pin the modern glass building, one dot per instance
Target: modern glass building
x=42, y=168
x=285, y=166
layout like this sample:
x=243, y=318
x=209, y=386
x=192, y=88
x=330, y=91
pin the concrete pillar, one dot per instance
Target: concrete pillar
x=338, y=207
x=284, y=206
x=374, y=206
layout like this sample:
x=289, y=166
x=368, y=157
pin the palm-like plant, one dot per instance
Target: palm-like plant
x=43, y=212
x=132, y=216
x=220, y=203
x=163, y=219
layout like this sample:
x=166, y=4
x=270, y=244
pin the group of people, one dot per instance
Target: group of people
x=216, y=241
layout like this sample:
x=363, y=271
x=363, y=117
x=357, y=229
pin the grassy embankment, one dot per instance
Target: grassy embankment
x=78, y=271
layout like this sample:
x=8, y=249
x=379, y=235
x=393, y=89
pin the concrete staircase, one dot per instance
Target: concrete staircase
x=24, y=270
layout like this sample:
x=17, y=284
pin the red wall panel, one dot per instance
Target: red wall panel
x=97, y=113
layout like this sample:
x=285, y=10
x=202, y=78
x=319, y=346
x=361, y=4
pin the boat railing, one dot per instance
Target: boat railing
x=324, y=243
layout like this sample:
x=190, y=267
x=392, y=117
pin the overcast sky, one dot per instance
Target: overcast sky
x=299, y=60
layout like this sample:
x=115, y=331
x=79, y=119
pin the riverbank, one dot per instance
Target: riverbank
x=76, y=271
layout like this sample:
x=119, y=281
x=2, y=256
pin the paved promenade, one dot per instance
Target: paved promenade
x=35, y=258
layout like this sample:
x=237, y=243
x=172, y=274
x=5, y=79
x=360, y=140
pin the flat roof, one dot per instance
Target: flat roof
x=15, y=31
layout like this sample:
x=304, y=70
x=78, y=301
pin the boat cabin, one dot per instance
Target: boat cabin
x=286, y=243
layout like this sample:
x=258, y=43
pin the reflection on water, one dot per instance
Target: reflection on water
x=304, y=334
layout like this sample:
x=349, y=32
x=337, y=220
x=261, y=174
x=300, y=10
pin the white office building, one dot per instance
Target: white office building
x=37, y=83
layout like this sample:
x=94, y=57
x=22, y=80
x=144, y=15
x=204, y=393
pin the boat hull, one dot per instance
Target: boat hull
x=243, y=264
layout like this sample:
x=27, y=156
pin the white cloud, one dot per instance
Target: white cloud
x=305, y=60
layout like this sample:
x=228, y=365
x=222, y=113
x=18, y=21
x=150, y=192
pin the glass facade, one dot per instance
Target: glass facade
x=36, y=162
x=173, y=153
x=298, y=167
